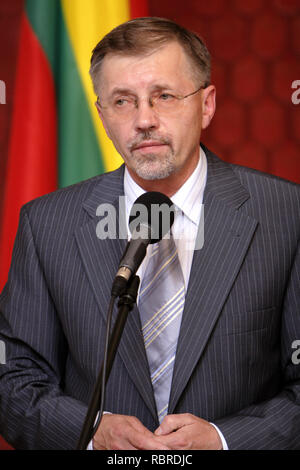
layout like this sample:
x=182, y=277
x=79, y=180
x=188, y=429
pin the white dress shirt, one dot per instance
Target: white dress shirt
x=188, y=199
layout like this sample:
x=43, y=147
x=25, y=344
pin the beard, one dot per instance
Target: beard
x=152, y=166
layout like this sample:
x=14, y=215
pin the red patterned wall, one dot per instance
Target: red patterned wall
x=255, y=48
x=10, y=14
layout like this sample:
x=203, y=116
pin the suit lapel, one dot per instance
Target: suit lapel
x=227, y=235
x=103, y=256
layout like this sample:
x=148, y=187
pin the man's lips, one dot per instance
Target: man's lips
x=147, y=145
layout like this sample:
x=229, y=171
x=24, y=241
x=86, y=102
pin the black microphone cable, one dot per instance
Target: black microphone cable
x=90, y=428
x=104, y=367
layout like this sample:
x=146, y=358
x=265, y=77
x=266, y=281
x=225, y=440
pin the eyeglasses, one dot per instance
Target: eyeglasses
x=124, y=106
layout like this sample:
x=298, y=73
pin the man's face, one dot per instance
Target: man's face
x=155, y=145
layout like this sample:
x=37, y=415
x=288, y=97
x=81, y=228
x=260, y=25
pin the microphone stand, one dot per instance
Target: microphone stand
x=126, y=302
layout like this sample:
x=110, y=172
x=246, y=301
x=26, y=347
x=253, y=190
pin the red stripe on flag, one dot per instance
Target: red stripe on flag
x=32, y=165
x=4, y=445
x=138, y=8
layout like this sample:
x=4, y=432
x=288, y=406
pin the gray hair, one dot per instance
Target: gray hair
x=145, y=35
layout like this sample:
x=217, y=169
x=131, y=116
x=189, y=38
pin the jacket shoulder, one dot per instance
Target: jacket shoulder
x=75, y=194
x=251, y=178
x=269, y=188
x=250, y=173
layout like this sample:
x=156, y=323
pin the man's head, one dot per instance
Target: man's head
x=152, y=79
x=143, y=36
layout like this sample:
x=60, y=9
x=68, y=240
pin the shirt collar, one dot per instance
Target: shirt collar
x=188, y=198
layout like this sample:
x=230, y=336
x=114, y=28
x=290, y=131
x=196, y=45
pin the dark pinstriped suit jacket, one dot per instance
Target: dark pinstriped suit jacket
x=233, y=363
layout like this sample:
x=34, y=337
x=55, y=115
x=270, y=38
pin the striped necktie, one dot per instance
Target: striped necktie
x=161, y=302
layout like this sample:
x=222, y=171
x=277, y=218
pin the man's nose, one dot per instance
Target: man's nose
x=146, y=117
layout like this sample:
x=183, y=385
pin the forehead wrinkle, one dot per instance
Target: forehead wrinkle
x=153, y=87
x=120, y=91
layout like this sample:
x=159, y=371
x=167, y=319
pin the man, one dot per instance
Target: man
x=234, y=384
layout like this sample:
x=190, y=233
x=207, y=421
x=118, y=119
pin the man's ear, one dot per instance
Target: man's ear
x=208, y=105
x=100, y=114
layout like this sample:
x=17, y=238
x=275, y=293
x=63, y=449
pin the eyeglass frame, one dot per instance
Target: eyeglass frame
x=178, y=97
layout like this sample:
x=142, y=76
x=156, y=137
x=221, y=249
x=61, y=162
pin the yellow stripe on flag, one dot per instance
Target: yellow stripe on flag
x=87, y=22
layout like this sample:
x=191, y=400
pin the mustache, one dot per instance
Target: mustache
x=148, y=135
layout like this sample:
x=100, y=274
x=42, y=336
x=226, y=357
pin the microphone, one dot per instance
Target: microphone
x=151, y=217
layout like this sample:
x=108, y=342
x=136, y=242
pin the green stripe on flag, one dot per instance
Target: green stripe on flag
x=79, y=153
x=78, y=149
x=42, y=15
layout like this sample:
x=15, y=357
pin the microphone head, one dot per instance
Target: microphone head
x=152, y=216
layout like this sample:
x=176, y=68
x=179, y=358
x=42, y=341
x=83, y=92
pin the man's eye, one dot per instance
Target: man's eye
x=121, y=102
x=165, y=96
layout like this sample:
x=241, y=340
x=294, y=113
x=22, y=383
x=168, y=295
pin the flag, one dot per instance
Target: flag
x=56, y=136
